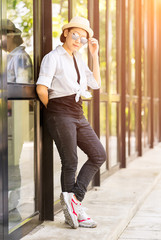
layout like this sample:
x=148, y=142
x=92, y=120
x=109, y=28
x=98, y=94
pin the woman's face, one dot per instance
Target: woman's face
x=7, y=42
x=75, y=39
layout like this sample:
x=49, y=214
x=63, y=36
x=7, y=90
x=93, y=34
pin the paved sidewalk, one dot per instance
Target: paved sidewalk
x=115, y=204
x=146, y=224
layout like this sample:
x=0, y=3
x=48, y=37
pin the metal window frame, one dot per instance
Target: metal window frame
x=3, y=142
x=46, y=151
x=138, y=40
x=122, y=82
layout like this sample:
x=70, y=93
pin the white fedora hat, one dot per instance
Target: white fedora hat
x=79, y=22
x=10, y=26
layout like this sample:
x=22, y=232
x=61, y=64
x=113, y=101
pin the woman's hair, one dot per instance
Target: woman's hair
x=17, y=38
x=63, y=38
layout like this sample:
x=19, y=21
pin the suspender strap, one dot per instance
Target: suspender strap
x=76, y=67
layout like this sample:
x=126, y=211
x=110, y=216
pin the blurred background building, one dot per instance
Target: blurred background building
x=125, y=112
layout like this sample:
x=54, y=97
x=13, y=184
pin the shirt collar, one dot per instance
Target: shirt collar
x=16, y=50
x=62, y=51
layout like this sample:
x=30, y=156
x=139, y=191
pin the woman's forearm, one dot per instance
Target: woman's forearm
x=42, y=92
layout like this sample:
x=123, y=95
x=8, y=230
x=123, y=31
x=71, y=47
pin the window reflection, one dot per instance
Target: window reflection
x=19, y=64
x=79, y=8
x=102, y=43
x=127, y=130
x=145, y=114
x=133, y=115
x=17, y=43
x=59, y=18
x=17, y=40
x=113, y=139
x=112, y=64
x=132, y=46
x=21, y=191
x=103, y=129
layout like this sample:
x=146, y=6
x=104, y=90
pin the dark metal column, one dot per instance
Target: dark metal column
x=96, y=93
x=47, y=212
x=123, y=82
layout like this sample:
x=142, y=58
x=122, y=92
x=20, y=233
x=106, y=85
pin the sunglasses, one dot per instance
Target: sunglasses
x=83, y=40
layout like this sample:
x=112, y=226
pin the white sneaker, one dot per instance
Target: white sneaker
x=70, y=208
x=84, y=220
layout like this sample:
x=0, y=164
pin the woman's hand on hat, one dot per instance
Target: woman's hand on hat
x=93, y=46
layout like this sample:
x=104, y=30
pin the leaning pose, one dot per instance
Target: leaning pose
x=64, y=78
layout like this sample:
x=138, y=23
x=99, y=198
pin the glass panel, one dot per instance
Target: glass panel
x=87, y=110
x=112, y=63
x=145, y=125
x=103, y=129
x=156, y=121
x=21, y=191
x=146, y=49
x=156, y=54
x=79, y=8
x=145, y=84
x=133, y=129
x=143, y=52
x=57, y=168
x=19, y=41
x=113, y=141
x=59, y=18
x=156, y=73
x=127, y=130
x=102, y=43
x=127, y=50
x=132, y=46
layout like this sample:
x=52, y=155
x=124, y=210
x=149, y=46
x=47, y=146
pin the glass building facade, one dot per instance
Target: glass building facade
x=125, y=113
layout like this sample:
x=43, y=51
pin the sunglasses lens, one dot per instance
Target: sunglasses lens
x=75, y=36
x=83, y=40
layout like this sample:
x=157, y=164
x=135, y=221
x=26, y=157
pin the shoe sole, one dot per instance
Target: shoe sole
x=88, y=226
x=72, y=221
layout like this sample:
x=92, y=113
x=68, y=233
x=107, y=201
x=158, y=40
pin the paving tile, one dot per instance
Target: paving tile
x=141, y=235
x=144, y=223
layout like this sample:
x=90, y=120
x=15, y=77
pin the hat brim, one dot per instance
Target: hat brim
x=18, y=31
x=78, y=25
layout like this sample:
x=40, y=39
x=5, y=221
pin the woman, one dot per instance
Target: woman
x=63, y=79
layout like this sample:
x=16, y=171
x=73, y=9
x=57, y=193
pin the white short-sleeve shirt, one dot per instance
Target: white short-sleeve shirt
x=58, y=73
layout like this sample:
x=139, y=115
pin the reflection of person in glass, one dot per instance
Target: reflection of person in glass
x=19, y=70
x=19, y=65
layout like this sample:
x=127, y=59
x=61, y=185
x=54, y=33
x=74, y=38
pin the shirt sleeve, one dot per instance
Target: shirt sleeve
x=47, y=70
x=91, y=81
x=23, y=68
